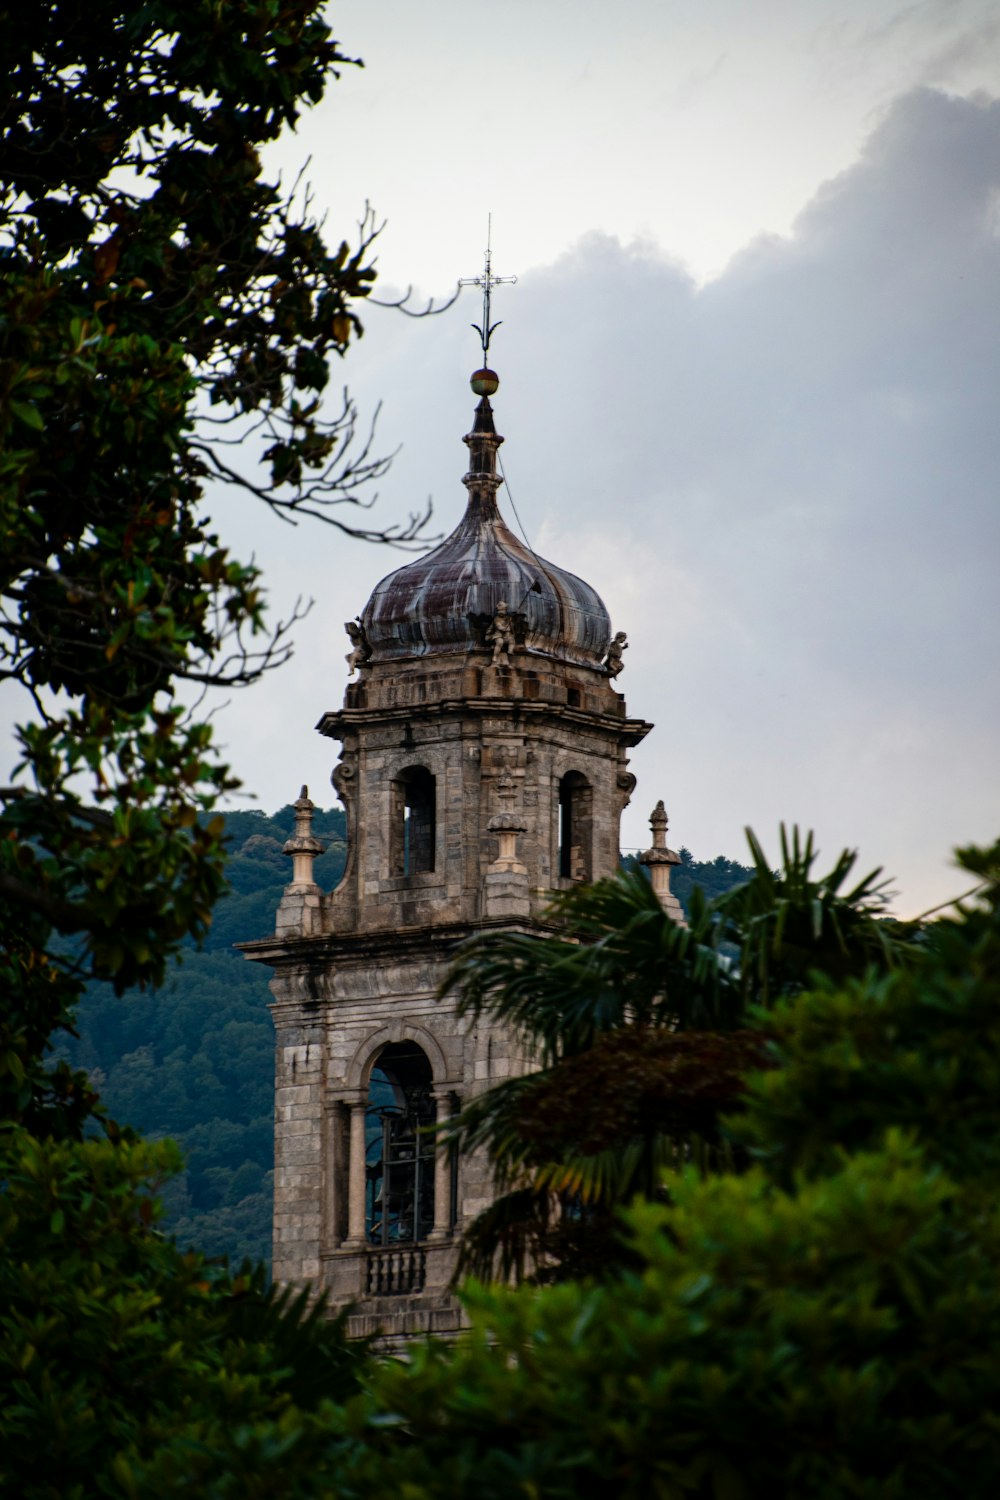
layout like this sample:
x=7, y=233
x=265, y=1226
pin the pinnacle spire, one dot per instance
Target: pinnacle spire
x=482, y=480
x=484, y=440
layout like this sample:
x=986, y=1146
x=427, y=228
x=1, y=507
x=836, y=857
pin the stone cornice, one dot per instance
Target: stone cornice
x=627, y=731
x=397, y=944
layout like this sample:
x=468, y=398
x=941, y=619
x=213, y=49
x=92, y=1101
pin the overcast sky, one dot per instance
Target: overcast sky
x=749, y=387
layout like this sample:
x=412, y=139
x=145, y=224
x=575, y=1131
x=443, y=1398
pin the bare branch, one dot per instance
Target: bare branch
x=398, y=304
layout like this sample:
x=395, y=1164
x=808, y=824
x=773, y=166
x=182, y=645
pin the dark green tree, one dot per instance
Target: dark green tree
x=826, y=1323
x=788, y=923
x=160, y=297
x=638, y=1027
x=711, y=876
x=114, y=1344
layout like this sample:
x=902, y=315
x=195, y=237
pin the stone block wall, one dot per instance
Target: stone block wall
x=359, y=968
x=325, y=1048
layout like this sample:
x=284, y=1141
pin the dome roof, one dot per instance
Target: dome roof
x=446, y=600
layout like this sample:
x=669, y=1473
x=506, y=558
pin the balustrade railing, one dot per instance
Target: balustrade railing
x=395, y=1272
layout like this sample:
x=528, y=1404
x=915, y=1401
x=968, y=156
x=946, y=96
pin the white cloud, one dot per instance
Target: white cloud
x=699, y=124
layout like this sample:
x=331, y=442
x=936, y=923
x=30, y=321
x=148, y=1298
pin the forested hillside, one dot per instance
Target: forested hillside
x=194, y=1060
x=713, y=876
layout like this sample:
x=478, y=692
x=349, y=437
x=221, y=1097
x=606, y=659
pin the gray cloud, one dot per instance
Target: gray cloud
x=783, y=483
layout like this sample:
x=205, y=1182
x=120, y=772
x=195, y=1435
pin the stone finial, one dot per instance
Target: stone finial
x=507, y=826
x=303, y=846
x=658, y=860
x=508, y=820
x=613, y=663
x=505, y=886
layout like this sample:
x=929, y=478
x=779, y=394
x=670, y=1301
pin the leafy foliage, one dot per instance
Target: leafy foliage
x=617, y=960
x=114, y=1343
x=160, y=299
x=788, y=923
x=636, y=1084
x=838, y=1339
x=590, y=1133
x=917, y=1049
x=618, y=1012
x=824, y=1324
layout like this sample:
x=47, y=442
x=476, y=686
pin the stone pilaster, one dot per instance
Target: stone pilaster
x=298, y=1153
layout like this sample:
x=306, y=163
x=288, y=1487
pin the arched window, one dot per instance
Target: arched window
x=576, y=832
x=414, y=822
x=399, y=1158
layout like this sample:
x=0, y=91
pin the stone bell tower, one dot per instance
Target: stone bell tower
x=483, y=766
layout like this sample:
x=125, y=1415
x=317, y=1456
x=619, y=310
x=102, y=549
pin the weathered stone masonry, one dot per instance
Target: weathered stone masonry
x=483, y=765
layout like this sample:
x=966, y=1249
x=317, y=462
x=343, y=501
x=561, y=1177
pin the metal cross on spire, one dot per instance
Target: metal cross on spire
x=487, y=281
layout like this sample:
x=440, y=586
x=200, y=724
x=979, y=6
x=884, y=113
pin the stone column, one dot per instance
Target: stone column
x=356, y=1178
x=328, y=1176
x=442, y=1172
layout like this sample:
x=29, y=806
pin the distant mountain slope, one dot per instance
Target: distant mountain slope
x=195, y=1060
x=713, y=876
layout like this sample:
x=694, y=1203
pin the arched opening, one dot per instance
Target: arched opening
x=399, y=1157
x=414, y=822
x=576, y=833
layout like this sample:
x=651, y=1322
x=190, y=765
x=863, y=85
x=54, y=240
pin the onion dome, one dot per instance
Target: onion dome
x=446, y=600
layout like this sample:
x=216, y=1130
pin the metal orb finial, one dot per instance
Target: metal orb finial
x=484, y=382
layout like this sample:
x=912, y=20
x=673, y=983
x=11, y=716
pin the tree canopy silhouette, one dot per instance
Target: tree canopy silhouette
x=169, y=316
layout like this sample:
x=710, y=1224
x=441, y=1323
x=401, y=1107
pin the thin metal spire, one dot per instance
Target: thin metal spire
x=487, y=281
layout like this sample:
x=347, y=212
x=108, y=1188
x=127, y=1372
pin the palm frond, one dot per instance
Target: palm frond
x=790, y=922
x=309, y=1347
x=634, y=1022
x=507, y=1240
x=622, y=962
